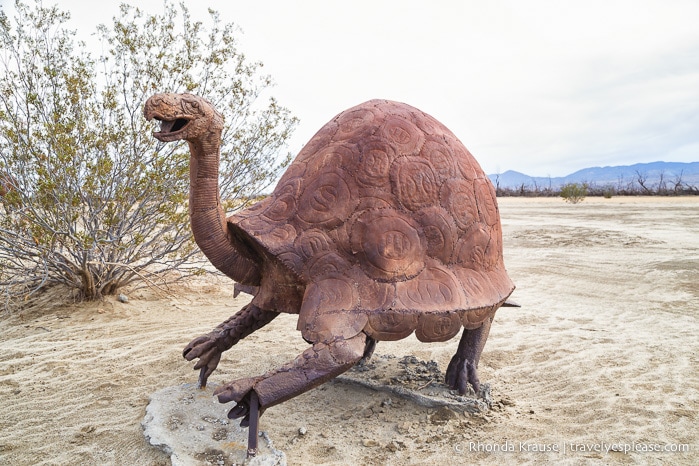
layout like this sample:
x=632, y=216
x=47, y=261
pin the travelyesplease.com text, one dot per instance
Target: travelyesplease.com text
x=570, y=447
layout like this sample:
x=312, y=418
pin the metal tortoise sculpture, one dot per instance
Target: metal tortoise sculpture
x=382, y=226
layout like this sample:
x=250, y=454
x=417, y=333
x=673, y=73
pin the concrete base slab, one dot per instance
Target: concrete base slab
x=191, y=426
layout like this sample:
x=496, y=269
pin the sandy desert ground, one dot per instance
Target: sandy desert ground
x=602, y=356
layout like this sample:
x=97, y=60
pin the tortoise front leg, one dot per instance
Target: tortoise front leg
x=463, y=366
x=315, y=366
x=208, y=348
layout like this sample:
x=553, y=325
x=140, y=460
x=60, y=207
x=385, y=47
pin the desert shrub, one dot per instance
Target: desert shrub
x=89, y=198
x=574, y=192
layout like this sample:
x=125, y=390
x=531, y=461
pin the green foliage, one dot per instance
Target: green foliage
x=88, y=198
x=574, y=192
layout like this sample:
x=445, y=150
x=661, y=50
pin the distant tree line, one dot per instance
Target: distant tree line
x=639, y=185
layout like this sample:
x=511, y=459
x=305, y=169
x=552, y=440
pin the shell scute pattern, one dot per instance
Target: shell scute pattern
x=385, y=214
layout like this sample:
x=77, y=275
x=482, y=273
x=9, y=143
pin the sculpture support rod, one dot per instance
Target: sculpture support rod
x=253, y=428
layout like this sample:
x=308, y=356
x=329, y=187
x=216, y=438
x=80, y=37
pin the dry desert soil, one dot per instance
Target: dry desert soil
x=602, y=356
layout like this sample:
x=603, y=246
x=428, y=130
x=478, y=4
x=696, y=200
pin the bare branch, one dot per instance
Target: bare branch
x=94, y=202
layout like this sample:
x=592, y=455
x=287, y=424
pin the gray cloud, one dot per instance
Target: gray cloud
x=542, y=87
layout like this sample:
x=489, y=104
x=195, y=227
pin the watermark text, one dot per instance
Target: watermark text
x=571, y=447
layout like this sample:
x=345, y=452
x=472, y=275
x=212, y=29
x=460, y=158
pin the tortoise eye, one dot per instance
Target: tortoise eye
x=191, y=106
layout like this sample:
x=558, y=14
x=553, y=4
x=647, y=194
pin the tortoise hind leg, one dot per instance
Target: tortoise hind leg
x=462, y=369
x=368, y=351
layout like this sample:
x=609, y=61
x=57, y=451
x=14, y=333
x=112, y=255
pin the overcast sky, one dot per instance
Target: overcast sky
x=541, y=87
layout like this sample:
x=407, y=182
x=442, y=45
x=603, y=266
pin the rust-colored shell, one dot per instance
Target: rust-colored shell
x=389, y=224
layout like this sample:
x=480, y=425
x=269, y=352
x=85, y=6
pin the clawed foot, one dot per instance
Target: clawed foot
x=460, y=373
x=239, y=391
x=206, y=349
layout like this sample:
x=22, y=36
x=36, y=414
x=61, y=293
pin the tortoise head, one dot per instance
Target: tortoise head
x=182, y=117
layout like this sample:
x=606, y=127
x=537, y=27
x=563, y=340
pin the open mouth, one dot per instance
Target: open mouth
x=170, y=127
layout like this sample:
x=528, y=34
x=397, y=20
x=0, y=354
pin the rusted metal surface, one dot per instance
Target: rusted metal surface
x=382, y=226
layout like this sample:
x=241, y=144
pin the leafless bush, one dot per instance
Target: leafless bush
x=89, y=199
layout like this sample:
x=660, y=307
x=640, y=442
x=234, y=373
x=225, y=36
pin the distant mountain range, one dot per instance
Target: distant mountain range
x=620, y=177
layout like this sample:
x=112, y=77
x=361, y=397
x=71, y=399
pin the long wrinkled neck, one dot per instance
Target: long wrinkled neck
x=207, y=217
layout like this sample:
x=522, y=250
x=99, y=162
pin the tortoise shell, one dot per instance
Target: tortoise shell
x=387, y=225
